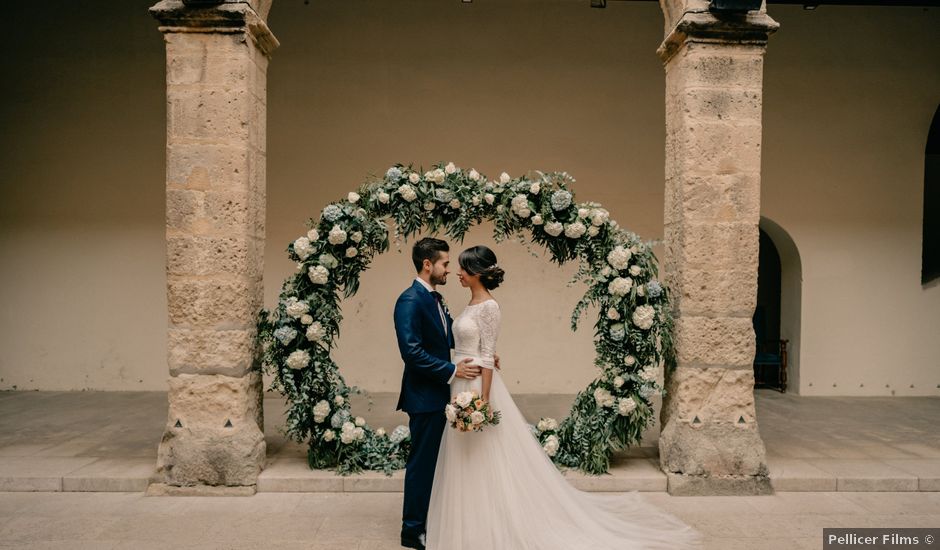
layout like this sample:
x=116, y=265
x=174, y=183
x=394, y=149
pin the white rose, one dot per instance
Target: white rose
x=360, y=421
x=504, y=178
x=641, y=290
x=603, y=398
x=620, y=286
x=414, y=177
x=352, y=252
x=313, y=235
x=353, y=197
x=605, y=272
x=625, y=406
x=455, y=204
x=450, y=168
x=475, y=201
x=337, y=235
x=599, y=217
x=489, y=198
x=575, y=230
x=429, y=206
x=476, y=417
x=464, y=398
x=643, y=316
x=450, y=412
x=635, y=270
x=593, y=231
x=613, y=314
x=356, y=236
x=383, y=197
x=619, y=257
x=306, y=319
x=380, y=432
x=537, y=219
x=583, y=212
x=320, y=411
x=295, y=308
x=302, y=248
x=359, y=433
x=547, y=424
x=318, y=274
x=551, y=445
x=298, y=359
x=535, y=188
x=618, y=381
x=315, y=332
x=407, y=192
x=329, y=435
x=338, y=400
x=474, y=175
x=554, y=228
x=629, y=360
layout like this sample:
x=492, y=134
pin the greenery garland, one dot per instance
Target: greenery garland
x=633, y=332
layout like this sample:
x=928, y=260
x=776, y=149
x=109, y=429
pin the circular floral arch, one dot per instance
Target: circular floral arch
x=633, y=332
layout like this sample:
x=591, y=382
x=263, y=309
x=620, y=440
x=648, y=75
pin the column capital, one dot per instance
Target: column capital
x=704, y=26
x=219, y=16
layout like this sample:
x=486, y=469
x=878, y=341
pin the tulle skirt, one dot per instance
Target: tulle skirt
x=496, y=489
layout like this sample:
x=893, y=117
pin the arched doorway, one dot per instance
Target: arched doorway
x=777, y=314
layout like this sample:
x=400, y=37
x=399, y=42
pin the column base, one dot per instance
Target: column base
x=686, y=485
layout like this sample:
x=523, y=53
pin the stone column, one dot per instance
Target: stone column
x=216, y=63
x=710, y=444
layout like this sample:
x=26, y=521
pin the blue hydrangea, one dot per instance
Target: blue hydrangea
x=339, y=418
x=653, y=289
x=443, y=195
x=332, y=213
x=561, y=199
x=399, y=434
x=285, y=335
x=617, y=332
x=393, y=174
x=646, y=391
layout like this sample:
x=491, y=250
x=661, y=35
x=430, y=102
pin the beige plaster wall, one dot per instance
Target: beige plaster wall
x=494, y=85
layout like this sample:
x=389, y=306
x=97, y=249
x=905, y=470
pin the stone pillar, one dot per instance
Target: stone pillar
x=710, y=444
x=216, y=63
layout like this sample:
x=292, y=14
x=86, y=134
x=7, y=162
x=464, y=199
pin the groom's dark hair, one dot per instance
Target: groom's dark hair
x=427, y=248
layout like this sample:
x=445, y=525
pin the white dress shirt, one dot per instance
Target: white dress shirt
x=440, y=310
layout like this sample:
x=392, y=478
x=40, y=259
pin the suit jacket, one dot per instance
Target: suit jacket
x=425, y=351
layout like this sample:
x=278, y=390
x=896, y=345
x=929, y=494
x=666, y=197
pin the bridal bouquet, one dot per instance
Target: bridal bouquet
x=468, y=412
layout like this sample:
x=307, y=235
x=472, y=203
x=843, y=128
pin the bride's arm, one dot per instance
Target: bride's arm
x=489, y=329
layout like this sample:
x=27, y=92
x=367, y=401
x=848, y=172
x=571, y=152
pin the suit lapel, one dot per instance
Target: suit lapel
x=431, y=303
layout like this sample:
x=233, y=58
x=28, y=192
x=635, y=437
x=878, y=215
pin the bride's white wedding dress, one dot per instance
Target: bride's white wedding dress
x=496, y=489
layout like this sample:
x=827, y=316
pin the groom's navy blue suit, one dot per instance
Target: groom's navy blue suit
x=425, y=391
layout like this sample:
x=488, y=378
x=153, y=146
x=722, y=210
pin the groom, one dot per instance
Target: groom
x=423, y=328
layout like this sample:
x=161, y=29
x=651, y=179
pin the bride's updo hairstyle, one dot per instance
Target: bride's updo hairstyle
x=480, y=260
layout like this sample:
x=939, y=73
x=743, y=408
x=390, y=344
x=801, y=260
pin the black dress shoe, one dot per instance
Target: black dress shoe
x=412, y=542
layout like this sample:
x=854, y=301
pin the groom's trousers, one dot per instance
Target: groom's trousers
x=426, y=432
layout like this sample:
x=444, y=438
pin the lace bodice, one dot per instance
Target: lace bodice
x=475, y=331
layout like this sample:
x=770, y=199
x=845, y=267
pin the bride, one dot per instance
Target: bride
x=496, y=489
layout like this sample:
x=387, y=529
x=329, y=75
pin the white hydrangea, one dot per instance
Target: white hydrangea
x=337, y=235
x=619, y=257
x=313, y=235
x=613, y=314
x=554, y=228
x=537, y=219
x=504, y=178
x=352, y=252
x=302, y=247
x=535, y=188
x=599, y=217
x=643, y=316
x=583, y=212
x=618, y=381
x=295, y=308
x=520, y=205
x=605, y=271
x=547, y=424
x=476, y=417
x=620, y=286
x=328, y=261
x=474, y=175
x=321, y=410
x=603, y=397
x=360, y=421
x=648, y=373
x=450, y=168
x=353, y=197
x=436, y=175
x=593, y=231
x=356, y=237
x=348, y=433
x=383, y=197
x=408, y=192
x=318, y=274
x=551, y=445
x=298, y=359
x=315, y=332
x=629, y=360
x=626, y=406
x=575, y=230
x=329, y=435
x=635, y=270
x=464, y=398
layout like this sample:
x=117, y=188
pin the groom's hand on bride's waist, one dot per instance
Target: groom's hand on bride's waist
x=496, y=361
x=465, y=369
